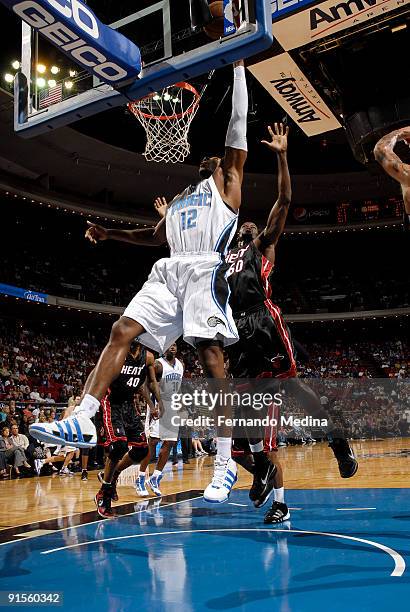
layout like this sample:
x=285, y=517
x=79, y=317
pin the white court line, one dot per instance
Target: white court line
x=234, y=504
x=348, y=509
x=399, y=563
x=105, y=520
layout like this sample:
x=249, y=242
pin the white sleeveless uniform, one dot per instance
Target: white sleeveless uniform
x=170, y=383
x=187, y=294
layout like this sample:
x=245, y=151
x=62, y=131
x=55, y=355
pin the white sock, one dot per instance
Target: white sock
x=157, y=473
x=89, y=405
x=279, y=495
x=141, y=473
x=224, y=446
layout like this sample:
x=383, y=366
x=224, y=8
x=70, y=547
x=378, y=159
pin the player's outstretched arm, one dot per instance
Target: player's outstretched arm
x=161, y=206
x=387, y=158
x=236, y=147
x=148, y=236
x=275, y=225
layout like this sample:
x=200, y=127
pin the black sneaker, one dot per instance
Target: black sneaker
x=344, y=454
x=103, y=503
x=114, y=493
x=262, y=485
x=277, y=514
x=84, y=475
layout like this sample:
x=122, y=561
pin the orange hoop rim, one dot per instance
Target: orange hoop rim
x=133, y=106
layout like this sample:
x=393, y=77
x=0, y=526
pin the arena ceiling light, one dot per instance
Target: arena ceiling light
x=52, y=83
x=9, y=78
x=72, y=73
x=398, y=28
x=41, y=82
x=15, y=64
x=68, y=84
x=41, y=68
x=55, y=69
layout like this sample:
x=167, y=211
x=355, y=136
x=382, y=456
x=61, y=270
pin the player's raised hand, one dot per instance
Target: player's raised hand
x=279, y=138
x=96, y=233
x=161, y=206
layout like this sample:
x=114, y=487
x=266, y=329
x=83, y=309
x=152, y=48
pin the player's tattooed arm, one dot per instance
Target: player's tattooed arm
x=268, y=239
x=387, y=158
x=147, y=236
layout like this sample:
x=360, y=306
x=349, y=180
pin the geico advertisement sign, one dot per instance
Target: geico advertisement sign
x=287, y=84
x=327, y=18
x=72, y=27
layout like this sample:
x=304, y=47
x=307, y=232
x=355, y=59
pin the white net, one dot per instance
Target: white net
x=166, y=117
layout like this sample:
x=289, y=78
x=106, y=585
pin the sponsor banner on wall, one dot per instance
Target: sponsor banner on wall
x=327, y=18
x=284, y=7
x=25, y=294
x=287, y=84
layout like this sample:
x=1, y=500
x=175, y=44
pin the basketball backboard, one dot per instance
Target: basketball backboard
x=160, y=30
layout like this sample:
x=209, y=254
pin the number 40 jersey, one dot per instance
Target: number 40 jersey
x=131, y=378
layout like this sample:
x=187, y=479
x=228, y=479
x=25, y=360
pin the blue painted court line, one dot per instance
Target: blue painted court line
x=191, y=556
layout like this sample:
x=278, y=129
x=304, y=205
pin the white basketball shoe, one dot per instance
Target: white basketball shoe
x=225, y=476
x=76, y=430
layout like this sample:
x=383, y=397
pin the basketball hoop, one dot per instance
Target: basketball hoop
x=166, y=117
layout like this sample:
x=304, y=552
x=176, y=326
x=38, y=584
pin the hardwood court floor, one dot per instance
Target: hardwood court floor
x=382, y=464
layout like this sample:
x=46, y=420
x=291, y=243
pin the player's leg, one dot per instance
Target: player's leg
x=67, y=460
x=225, y=473
x=78, y=429
x=310, y=402
x=85, y=452
x=155, y=479
x=279, y=511
x=140, y=483
x=105, y=495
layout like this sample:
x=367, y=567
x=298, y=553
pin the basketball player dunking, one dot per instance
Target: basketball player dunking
x=120, y=427
x=392, y=164
x=265, y=347
x=169, y=372
x=185, y=294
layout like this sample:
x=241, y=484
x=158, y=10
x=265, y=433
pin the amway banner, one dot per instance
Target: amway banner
x=328, y=18
x=287, y=84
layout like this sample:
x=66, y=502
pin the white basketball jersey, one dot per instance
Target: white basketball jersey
x=198, y=221
x=171, y=379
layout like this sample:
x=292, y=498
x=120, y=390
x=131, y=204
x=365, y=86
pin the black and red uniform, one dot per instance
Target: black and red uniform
x=265, y=346
x=117, y=419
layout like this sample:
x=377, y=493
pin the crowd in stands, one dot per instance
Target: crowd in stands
x=54, y=258
x=40, y=374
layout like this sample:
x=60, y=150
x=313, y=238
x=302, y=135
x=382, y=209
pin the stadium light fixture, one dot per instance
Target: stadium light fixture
x=15, y=64
x=9, y=78
x=68, y=84
x=41, y=68
x=41, y=82
x=398, y=28
x=55, y=69
x=72, y=73
x=52, y=83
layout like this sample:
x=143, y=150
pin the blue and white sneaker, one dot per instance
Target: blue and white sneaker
x=225, y=476
x=153, y=483
x=140, y=486
x=76, y=430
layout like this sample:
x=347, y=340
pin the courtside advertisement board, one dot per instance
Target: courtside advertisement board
x=287, y=84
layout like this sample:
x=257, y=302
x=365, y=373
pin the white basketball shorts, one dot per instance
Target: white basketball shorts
x=185, y=295
x=163, y=428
